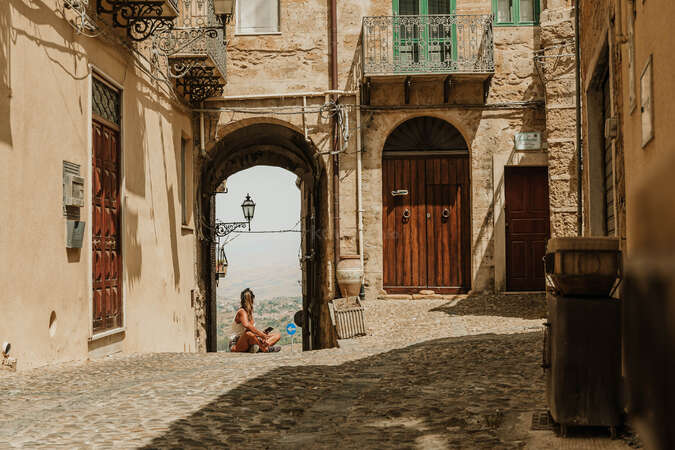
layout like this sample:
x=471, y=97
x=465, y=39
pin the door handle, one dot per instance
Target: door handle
x=406, y=214
x=446, y=213
x=399, y=193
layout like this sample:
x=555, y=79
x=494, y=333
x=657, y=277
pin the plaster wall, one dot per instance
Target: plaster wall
x=649, y=230
x=45, y=76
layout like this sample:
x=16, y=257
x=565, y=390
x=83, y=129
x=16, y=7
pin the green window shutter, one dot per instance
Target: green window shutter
x=516, y=12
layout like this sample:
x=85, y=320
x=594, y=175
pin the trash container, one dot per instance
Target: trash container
x=582, y=348
x=583, y=361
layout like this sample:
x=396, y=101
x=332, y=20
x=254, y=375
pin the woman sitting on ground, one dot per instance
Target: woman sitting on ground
x=245, y=336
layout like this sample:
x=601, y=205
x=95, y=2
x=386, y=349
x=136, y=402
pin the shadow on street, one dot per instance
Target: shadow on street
x=524, y=306
x=459, y=392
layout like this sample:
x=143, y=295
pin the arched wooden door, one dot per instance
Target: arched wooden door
x=426, y=216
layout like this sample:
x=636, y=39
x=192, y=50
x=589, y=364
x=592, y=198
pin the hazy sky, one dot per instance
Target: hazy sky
x=257, y=259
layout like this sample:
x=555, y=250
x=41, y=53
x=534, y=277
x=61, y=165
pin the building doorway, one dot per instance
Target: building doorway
x=107, y=310
x=419, y=41
x=527, y=227
x=426, y=208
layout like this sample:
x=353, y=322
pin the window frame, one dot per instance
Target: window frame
x=515, y=16
x=424, y=7
x=239, y=32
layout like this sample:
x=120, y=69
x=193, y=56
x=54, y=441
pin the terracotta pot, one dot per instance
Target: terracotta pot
x=349, y=275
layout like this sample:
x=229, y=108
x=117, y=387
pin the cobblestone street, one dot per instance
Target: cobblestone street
x=441, y=373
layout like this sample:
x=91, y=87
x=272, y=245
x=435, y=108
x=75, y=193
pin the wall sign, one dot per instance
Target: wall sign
x=528, y=141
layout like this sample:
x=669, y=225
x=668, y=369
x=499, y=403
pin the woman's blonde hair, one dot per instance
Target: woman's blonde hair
x=247, y=297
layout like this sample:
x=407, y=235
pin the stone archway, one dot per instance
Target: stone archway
x=272, y=143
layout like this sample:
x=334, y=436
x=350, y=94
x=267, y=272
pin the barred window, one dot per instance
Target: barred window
x=106, y=102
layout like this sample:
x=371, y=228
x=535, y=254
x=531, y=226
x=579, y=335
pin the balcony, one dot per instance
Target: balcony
x=196, y=52
x=140, y=18
x=441, y=45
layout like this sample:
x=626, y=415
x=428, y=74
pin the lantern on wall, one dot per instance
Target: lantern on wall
x=248, y=207
x=221, y=263
x=224, y=8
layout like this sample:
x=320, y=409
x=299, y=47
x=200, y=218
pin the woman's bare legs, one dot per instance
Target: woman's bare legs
x=273, y=338
x=248, y=339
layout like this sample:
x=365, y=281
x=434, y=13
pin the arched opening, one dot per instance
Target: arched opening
x=426, y=220
x=278, y=145
x=264, y=257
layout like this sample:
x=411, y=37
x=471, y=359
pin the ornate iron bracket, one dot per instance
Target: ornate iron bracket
x=200, y=83
x=225, y=228
x=140, y=18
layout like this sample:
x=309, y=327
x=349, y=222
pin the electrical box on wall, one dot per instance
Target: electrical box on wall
x=73, y=188
x=74, y=233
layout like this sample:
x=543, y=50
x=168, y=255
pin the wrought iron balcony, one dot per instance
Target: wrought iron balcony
x=196, y=51
x=430, y=44
x=140, y=18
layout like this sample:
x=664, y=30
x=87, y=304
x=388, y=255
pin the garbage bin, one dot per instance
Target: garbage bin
x=582, y=349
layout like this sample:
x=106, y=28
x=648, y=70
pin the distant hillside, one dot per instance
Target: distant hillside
x=265, y=281
x=276, y=312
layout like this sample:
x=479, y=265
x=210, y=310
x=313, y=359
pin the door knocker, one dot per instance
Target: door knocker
x=446, y=214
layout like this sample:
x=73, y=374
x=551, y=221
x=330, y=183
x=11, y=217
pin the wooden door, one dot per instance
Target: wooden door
x=527, y=227
x=106, y=248
x=447, y=224
x=425, y=225
x=404, y=224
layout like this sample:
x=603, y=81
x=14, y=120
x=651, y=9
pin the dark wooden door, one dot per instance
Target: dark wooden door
x=425, y=228
x=106, y=248
x=527, y=227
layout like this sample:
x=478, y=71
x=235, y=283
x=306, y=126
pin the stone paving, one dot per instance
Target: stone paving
x=440, y=373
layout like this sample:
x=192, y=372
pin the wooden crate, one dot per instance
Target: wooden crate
x=349, y=321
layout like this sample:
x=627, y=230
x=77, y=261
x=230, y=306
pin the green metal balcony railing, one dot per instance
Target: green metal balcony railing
x=417, y=45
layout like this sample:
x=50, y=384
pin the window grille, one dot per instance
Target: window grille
x=106, y=102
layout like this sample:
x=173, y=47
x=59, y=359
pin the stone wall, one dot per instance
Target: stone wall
x=297, y=60
x=557, y=68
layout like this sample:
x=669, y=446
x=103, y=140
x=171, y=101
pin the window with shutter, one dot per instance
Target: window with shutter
x=516, y=12
x=258, y=17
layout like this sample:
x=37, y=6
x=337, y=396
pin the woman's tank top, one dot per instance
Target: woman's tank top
x=237, y=328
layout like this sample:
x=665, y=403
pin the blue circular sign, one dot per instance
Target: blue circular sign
x=290, y=329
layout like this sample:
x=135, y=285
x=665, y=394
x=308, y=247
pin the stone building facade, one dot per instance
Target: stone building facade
x=424, y=135
x=627, y=83
x=529, y=87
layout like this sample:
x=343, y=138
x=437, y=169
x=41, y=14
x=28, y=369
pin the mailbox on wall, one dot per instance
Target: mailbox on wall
x=74, y=233
x=73, y=190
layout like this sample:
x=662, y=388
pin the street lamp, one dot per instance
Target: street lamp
x=248, y=208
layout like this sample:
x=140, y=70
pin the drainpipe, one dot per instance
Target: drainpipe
x=580, y=220
x=335, y=143
x=359, y=182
